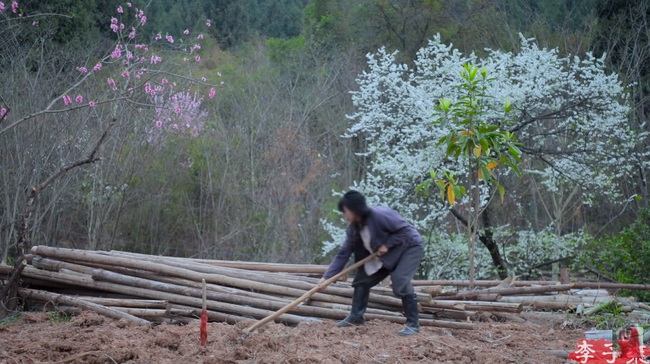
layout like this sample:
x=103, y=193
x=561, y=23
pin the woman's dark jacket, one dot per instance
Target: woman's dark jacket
x=387, y=227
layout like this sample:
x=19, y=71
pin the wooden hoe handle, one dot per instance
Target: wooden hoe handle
x=308, y=294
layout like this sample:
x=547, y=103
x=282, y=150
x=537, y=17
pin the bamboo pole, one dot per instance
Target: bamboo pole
x=309, y=293
x=212, y=315
x=473, y=295
x=450, y=313
x=154, y=312
x=73, y=301
x=564, y=298
x=576, y=285
x=553, y=306
x=127, y=302
x=484, y=306
x=347, y=308
x=253, y=266
x=478, y=283
x=597, y=308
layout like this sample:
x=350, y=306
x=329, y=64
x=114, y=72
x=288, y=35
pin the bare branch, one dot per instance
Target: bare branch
x=91, y=158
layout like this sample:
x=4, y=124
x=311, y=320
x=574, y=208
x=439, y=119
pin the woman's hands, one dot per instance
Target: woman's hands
x=321, y=285
x=382, y=250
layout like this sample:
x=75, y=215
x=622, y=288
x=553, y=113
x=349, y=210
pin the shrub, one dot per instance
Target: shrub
x=625, y=256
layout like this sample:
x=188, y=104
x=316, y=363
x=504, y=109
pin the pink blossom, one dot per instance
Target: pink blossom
x=14, y=7
x=147, y=87
x=129, y=55
x=159, y=124
x=82, y=69
x=2, y=7
x=170, y=39
x=125, y=74
x=35, y=23
x=143, y=20
x=212, y=92
x=140, y=46
x=79, y=99
x=208, y=23
x=152, y=92
x=67, y=100
x=114, y=28
x=91, y=104
x=113, y=20
x=97, y=67
x=200, y=36
x=164, y=81
x=3, y=112
x=155, y=59
x=186, y=31
x=177, y=110
x=197, y=58
x=185, y=59
x=175, y=126
x=129, y=4
x=196, y=47
x=158, y=36
x=117, y=52
x=120, y=10
x=110, y=81
x=132, y=33
x=121, y=26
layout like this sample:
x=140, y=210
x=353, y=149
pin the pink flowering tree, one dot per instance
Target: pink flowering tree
x=58, y=108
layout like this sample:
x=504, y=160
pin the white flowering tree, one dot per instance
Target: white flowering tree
x=568, y=113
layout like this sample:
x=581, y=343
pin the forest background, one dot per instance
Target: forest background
x=253, y=169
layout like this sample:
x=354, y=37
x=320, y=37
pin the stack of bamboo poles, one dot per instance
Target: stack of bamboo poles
x=584, y=298
x=143, y=289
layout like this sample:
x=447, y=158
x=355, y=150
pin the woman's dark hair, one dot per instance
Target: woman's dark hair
x=355, y=202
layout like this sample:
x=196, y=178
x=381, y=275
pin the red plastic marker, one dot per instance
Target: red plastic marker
x=204, y=317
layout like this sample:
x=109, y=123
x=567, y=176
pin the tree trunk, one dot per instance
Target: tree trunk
x=9, y=291
x=487, y=238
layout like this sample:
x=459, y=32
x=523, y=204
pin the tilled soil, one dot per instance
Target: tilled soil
x=90, y=338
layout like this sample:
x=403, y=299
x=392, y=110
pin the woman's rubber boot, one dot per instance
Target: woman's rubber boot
x=359, y=304
x=412, y=325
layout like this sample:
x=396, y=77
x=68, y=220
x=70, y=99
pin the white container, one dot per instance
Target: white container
x=599, y=334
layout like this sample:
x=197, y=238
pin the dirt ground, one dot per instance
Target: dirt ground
x=90, y=338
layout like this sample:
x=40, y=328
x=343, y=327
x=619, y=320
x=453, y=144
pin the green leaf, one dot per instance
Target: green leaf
x=445, y=105
x=514, y=152
x=423, y=188
x=502, y=191
x=507, y=106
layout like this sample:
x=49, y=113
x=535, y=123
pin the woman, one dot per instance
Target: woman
x=399, y=249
